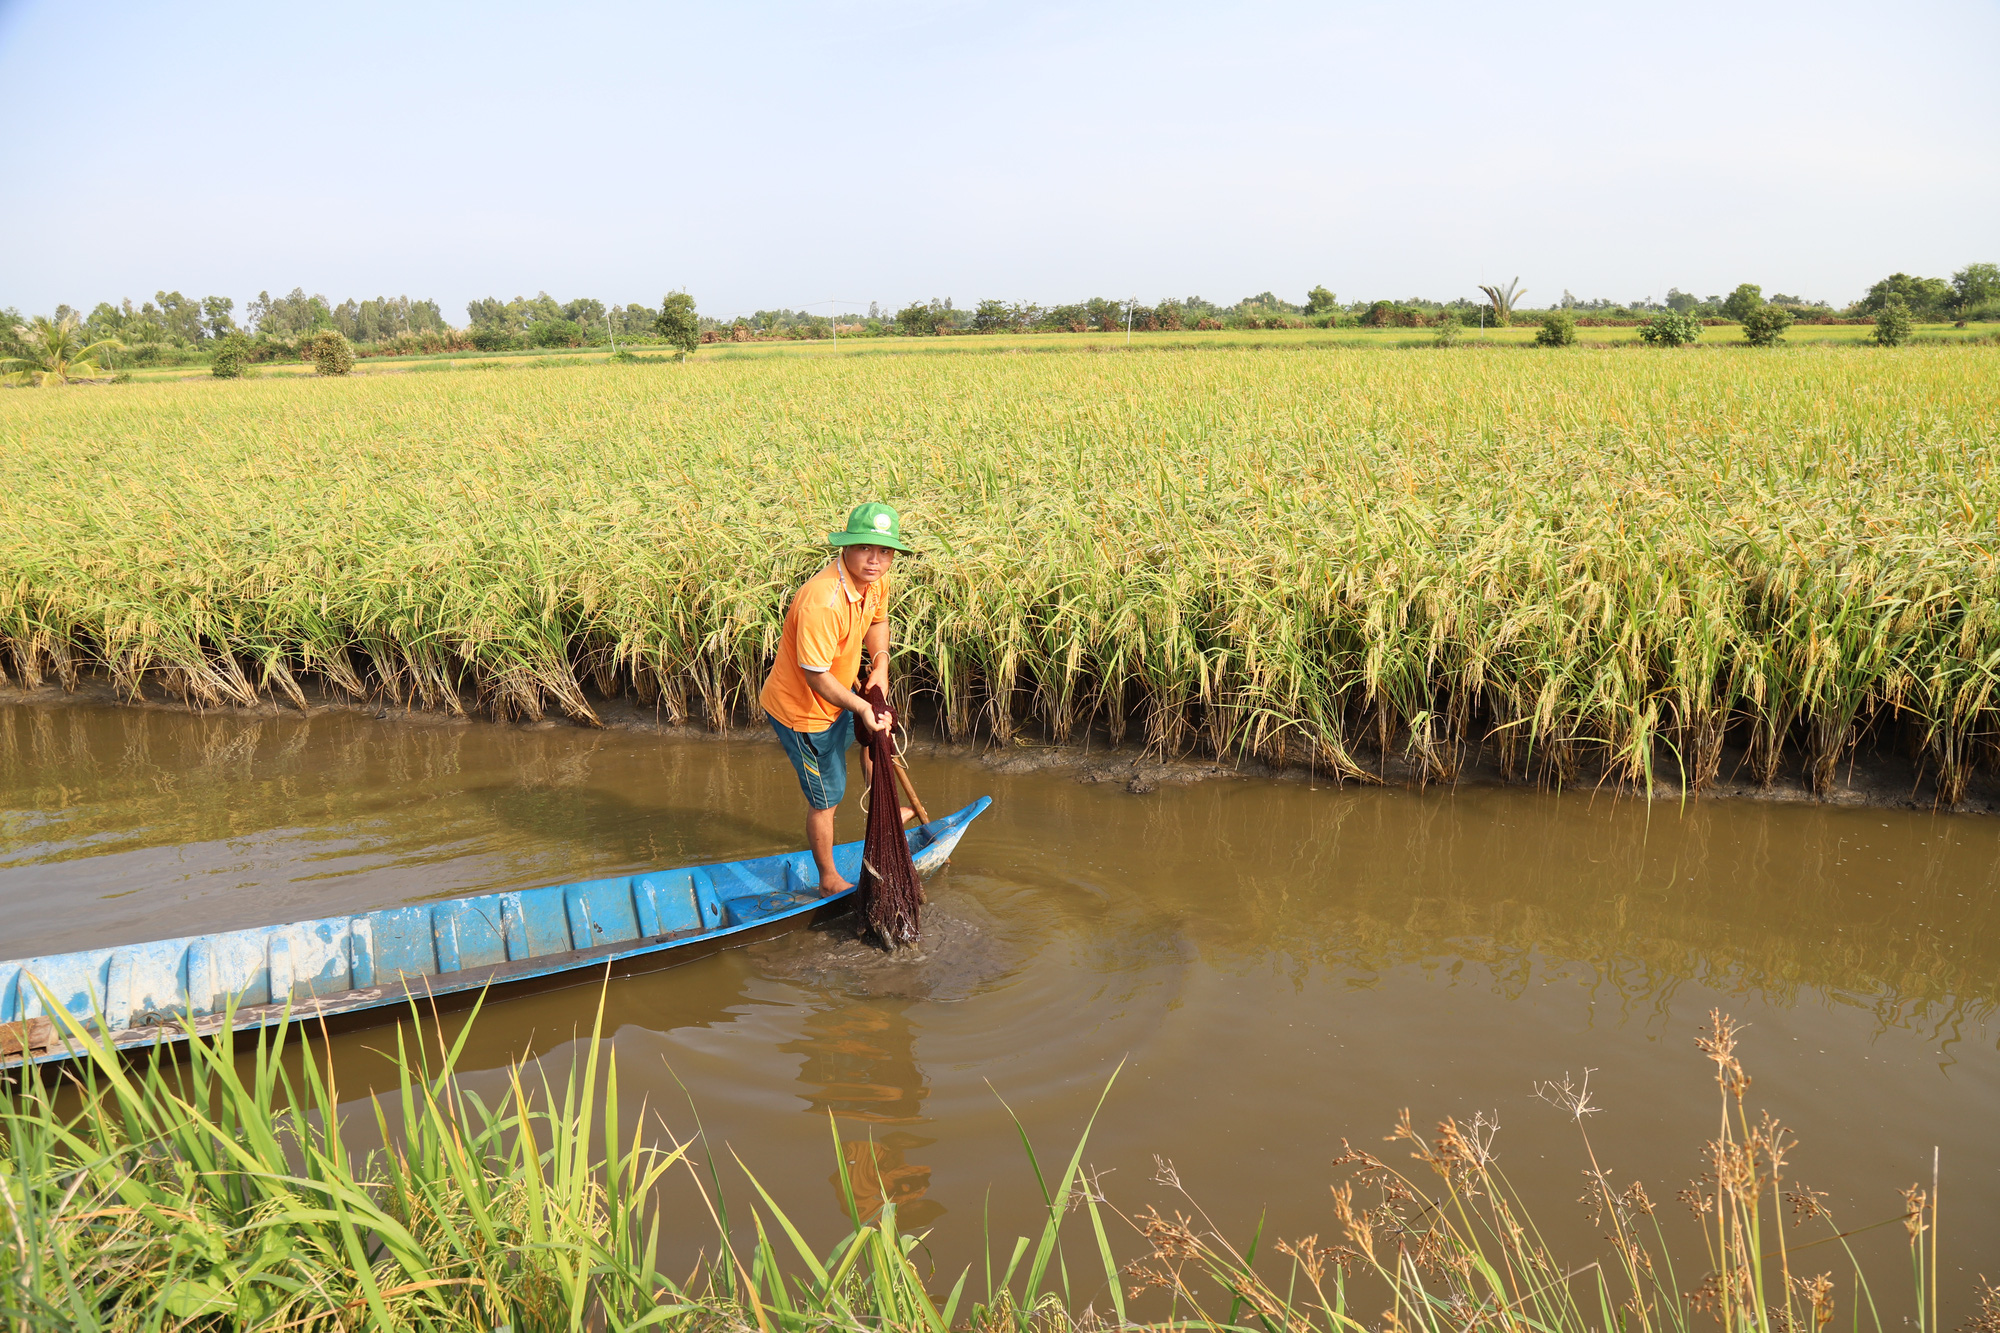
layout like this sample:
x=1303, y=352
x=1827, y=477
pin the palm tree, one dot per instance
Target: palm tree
x=1503, y=299
x=53, y=352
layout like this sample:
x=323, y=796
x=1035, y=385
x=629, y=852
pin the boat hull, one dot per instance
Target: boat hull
x=344, y=972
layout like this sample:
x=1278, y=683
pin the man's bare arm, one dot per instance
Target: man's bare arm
x=826, y=687
x=876, y=641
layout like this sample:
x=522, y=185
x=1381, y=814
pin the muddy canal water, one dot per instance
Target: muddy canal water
x=1278, y=965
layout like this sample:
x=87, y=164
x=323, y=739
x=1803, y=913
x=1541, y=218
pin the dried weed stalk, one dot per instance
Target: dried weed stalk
x=1450, y=1248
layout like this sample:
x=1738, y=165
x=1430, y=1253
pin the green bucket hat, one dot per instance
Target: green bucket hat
x=872, y=524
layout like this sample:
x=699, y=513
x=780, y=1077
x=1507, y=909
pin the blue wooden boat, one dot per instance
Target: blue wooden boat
x=138, y=995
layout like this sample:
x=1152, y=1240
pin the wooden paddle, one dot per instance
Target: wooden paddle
x=910, y=792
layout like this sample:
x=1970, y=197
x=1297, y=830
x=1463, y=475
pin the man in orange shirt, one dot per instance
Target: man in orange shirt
x=839, y=611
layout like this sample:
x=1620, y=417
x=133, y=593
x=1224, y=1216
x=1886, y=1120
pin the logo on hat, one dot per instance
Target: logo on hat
x=881, y=522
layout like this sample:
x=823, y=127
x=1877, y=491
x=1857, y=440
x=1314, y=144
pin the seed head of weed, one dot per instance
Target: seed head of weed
x=1719, y=1045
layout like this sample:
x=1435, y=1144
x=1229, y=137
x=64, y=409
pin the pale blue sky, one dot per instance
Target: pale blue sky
x=768, y=154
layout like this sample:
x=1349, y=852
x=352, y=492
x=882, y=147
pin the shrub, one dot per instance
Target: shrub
x=919, y=320
x=411, y=342
x=492, y=338
x=1893, y=324
x=555, y=333
x=1449, y=327
x=330, y=352
x=1558, y=330
x=265, y=347
x=1671, y=328
x=1765, y=326
x=1389, y=315
x=230, y=352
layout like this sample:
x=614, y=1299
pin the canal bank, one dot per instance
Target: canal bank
x=1888, y=773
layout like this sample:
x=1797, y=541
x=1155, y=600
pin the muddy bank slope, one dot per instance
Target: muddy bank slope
x=1879, y=775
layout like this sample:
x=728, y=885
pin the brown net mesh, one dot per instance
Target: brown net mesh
x=891, y=895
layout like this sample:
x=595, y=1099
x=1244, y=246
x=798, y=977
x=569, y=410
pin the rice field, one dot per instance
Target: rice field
x=1600, y=563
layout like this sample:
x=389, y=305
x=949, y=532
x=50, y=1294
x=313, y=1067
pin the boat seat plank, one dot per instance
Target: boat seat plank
x=118, y=987
x=444, y=937
x=513, y=926
x=544, y=921
x=146, y=980
x=201, y=989
x=279, y=978
x=404, y=945
x=711, y=912
x=670, y=899
x=473, y=929
x=600, y=912
x=645, y=906
x=239, y=964
x=361, y=950
x=742, y=880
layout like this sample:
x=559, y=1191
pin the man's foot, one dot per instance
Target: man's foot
x=838, y=886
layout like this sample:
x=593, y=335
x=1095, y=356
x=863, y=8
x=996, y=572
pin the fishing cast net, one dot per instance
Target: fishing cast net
x=891, y=895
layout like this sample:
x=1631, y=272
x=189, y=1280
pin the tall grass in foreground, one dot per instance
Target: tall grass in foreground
x=220, y=1195
x=1597, y=563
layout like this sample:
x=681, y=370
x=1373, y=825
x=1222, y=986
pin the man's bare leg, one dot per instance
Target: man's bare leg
x=819, y=837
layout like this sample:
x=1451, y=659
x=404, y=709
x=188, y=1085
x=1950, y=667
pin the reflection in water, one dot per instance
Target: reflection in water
x=878, y=1174
x=1893, y=912
x=861, y=1065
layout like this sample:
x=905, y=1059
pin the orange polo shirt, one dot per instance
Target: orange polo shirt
x=822, y=630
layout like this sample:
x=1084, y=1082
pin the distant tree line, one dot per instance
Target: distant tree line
x=1973, y=293
x=173, y=328
x=940, y=316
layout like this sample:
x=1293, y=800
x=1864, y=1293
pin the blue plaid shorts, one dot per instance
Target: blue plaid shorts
x=820, y=758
